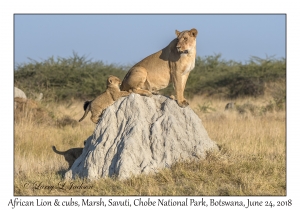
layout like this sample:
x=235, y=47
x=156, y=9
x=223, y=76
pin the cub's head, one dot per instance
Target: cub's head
x=113, y=81
x=186, y=41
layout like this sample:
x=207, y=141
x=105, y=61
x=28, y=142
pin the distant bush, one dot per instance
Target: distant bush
x=213, y=75
x=242, y=86
x=79, y=78
x=65, y=78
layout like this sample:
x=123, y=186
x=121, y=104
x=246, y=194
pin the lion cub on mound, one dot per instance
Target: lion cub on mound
x=171, y=64
x=100, y=103
x=70, y=155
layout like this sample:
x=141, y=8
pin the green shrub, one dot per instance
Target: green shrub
x=205, y=107
x=80, y=78
x=65, y=78
x=246, y=87
x=213, y=75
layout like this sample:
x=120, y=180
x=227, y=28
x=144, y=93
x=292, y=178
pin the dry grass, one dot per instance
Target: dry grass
x=252, y=159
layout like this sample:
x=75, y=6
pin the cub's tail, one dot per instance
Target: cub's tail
x=86, y=107
x=56, y=151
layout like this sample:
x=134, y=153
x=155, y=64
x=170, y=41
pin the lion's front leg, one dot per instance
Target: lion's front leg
x=118, y=94
x=183, y=82
x=124, y=93
x=178, y=85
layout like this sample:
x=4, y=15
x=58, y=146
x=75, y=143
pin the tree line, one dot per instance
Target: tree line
x=78, y=77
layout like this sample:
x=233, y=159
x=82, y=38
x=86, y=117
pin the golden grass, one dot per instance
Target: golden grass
x=252, y=159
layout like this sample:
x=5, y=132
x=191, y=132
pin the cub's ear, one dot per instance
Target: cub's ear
x=110, y=79
x=177, y=33
x=193, y=32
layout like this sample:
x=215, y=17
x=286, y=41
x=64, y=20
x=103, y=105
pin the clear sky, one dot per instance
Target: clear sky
x=126, y=39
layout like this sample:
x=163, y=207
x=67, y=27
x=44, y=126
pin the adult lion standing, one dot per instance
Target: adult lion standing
x=171, y=64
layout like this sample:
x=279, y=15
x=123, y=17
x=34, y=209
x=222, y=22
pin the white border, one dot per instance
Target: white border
x=8, y=8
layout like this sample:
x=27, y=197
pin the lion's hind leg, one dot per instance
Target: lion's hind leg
x=136, y=82
x=154, y=91
x=172, y=97
x=142, y=92
x=96, y=115
x=95, y=118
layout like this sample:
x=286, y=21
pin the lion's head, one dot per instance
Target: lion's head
x=186, y=40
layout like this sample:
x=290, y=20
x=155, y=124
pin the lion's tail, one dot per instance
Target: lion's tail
x=56, y=151
x=86, y=107
x=86, y=104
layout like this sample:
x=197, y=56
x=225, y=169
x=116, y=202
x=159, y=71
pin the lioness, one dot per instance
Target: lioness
x=100, y=103
x=70, y=155
x=171, y=64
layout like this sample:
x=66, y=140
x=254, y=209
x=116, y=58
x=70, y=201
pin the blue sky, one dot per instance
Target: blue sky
x=126, y=39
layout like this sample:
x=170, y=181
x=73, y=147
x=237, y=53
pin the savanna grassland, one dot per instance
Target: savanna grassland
x=251, y=136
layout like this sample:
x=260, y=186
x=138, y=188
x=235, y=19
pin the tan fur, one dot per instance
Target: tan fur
x=70, y=155
x=171, y=64
x=100, y=103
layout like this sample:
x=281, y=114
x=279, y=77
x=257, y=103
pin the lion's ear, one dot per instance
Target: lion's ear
x=177, y=33
x=193, y=32
x=109, y=79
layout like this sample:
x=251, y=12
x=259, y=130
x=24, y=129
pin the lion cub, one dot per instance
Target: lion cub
x=70, y=155
x=100, y=103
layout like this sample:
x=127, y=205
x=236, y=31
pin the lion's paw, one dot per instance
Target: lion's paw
x=183, y=103
x=172, y=97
